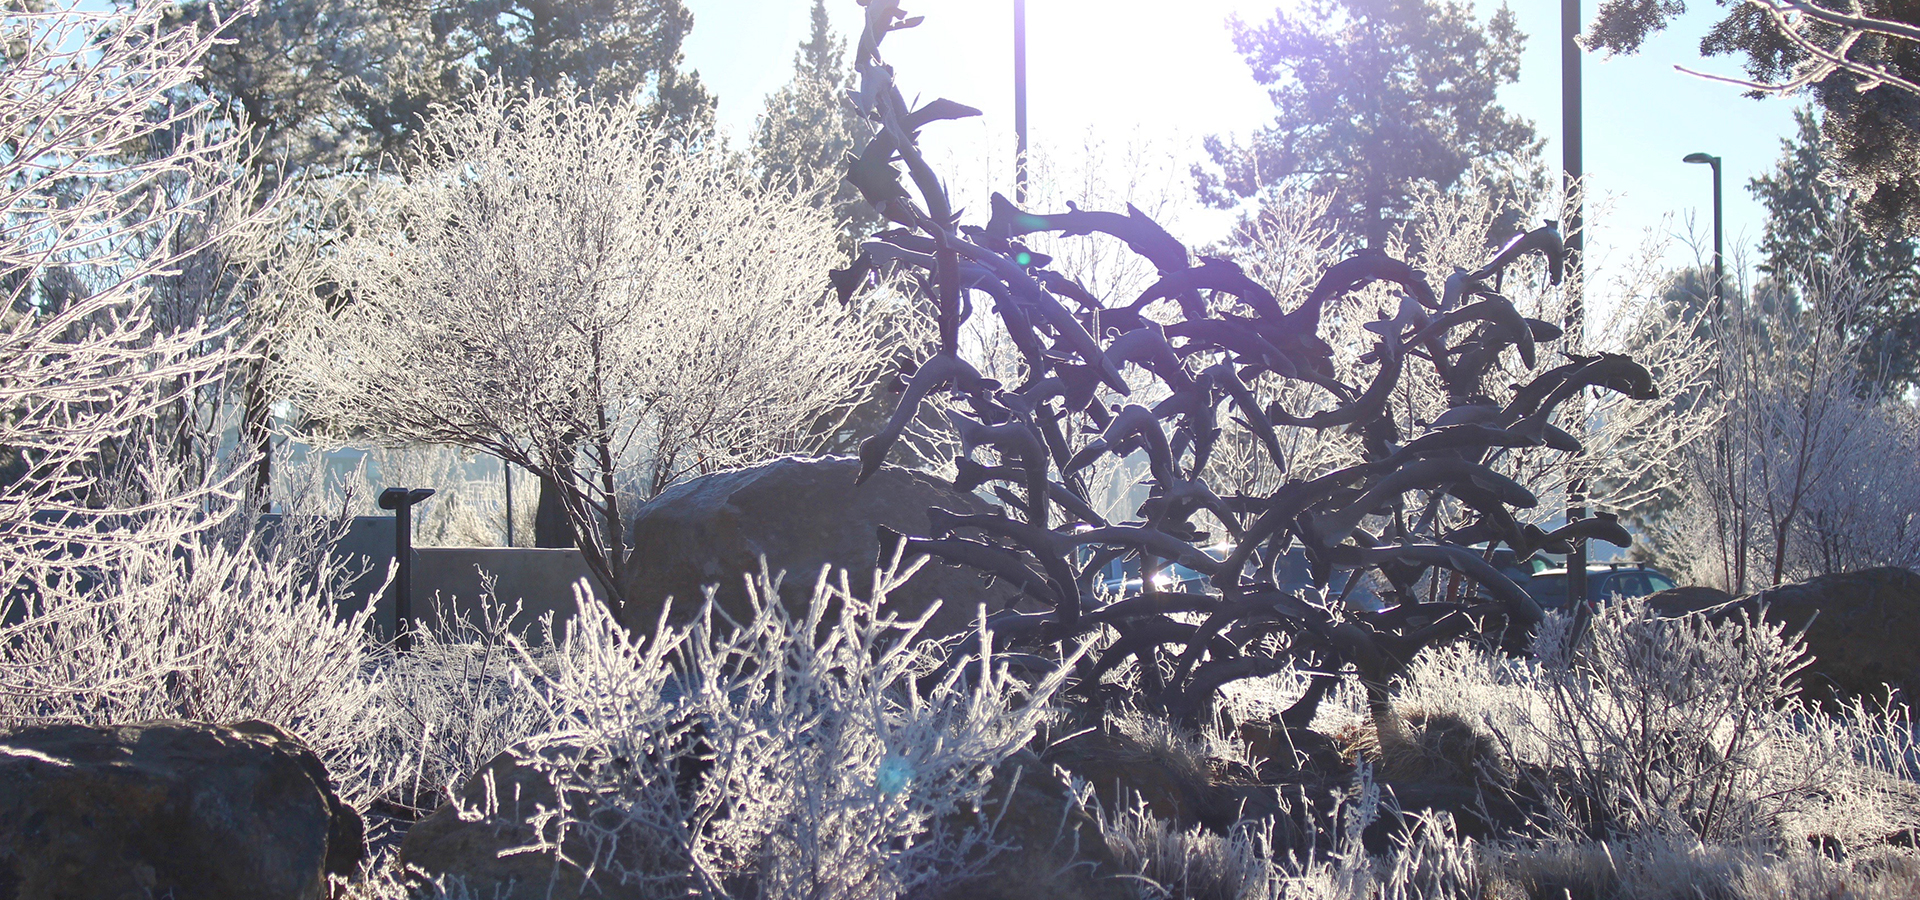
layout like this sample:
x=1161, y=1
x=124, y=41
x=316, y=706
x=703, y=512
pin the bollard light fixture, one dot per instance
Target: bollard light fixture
x=402, y=501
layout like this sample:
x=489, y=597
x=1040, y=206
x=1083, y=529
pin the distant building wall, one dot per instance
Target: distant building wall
x=541, y=581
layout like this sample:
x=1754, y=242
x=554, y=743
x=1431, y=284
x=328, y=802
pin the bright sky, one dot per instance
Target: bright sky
x=1126, y=69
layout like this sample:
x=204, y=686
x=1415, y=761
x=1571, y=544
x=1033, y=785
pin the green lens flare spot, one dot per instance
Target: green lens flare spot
x=1033, y=222
x=1024, y=258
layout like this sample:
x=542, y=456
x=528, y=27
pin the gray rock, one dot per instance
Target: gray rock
x=177, y=809
x=498, y=802
x=1681, y=601
x=1860, y=629
x=800, y=514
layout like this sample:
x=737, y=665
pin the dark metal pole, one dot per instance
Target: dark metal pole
x=1020, y=100
x=1719, y=270
x=403, y=579
x=401, y=501
x=1574, y=165
x=1719, y=266
x=506, y=475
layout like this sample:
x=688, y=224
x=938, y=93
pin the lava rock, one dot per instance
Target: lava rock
x=798, y=513
x=1859, y=629
x=157, y=809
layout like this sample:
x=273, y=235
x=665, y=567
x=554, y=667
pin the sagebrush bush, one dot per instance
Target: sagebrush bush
x=779, y=756
x=452, y=702
x=1682, y=727
x=220, y=626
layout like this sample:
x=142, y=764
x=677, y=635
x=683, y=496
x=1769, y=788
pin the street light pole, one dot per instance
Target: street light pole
x=1573, y=163
x=1020, y=101
x=1719, y=271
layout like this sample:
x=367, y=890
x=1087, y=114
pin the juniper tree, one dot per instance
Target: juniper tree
x=808, y=129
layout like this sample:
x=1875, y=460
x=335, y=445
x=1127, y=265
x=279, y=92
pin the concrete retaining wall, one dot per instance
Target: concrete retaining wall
x=540, y=581
x=447, y=581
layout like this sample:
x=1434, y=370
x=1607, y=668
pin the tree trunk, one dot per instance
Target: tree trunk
x=256, y=433
x=550, y=526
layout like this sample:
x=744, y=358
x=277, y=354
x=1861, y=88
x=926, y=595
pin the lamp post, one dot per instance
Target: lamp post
x=1719, y=273
x=1020, y=101
x=1573, y=165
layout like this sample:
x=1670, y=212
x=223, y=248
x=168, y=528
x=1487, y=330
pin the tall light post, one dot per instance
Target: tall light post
x=1020, y=101
x=1719, y=272
x=1573, y=164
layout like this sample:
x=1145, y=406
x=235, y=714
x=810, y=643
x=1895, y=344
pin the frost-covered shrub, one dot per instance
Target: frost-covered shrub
x=779, y=756
x=1808, y=468
x=221, y=626
x=554, y=281
x=1682, y=727
x=452, y=702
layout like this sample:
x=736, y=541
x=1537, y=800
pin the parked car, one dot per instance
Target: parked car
x=1605, y=581
x=1121, y=578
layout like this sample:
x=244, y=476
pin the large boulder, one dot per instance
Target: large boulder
x=169, y=809
x=1860, y=629
x=799, y=514
x=1681, y=601
x=480, y=838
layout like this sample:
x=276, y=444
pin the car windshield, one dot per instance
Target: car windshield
x=1550, y=591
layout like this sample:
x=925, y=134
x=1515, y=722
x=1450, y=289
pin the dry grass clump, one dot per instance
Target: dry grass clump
x=1195, y=863
x=1655, y=868
x=1437, y=746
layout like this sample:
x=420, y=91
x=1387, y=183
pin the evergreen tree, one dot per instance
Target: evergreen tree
x=808, y=130
x=1870, y=135
x=1372, y=96
x=1811, y=220
x=333, y=85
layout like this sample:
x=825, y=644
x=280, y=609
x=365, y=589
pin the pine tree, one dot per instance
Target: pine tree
x=336, y=85
x=809, y=128
x=1811, y=219
x=1869, y=129
x=1372, y=96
